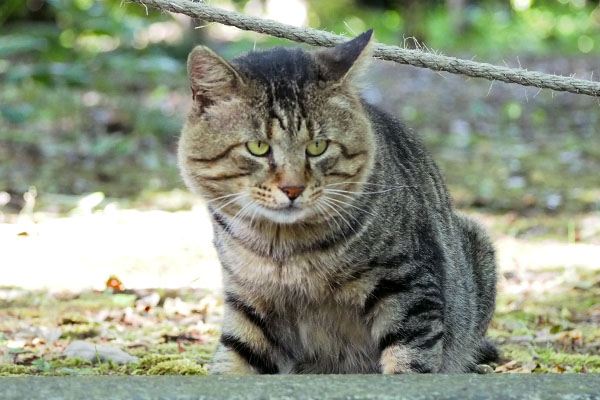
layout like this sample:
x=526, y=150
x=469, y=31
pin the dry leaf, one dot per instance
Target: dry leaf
x=525, y=369
x=507, y=367
x=114, y=283
x=570, y=339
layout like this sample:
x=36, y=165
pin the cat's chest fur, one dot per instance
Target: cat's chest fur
x=302, y=279
x=329, y=339
x=316, y=312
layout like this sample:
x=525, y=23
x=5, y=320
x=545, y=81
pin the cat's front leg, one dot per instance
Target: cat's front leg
x=407, y=325
x=226, y=361
x=244, y=348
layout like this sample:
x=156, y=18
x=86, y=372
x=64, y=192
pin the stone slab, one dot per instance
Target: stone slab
x=306, y=387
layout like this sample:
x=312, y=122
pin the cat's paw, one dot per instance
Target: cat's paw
x=402, y=360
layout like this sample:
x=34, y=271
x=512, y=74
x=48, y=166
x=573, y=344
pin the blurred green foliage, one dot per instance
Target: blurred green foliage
x=93, y=93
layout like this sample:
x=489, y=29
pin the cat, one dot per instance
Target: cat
x=340, y=249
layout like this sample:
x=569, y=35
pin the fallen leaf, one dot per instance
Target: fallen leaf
x=507, y=366
x=114, y=283
x=179, y=338
x=570, y=339
x=177, y=306
x=147, y=303
x=525, y=369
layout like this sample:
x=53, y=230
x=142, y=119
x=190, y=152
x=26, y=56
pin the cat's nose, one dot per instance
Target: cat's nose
x=292, y=192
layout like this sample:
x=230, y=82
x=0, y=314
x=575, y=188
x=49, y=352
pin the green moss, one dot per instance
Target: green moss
x=519, y=353
x=68, y=362
x=73, y=332
x=549, y=359
x=178, y=367
x=150, y=360
x=13, y=370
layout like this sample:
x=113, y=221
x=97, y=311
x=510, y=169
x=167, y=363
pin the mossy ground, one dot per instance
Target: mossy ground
x=165, y=341
x=547, y=319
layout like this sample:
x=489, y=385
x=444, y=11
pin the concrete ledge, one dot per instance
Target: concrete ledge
x=420, y=387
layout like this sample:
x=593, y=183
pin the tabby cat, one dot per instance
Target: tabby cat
x=340, y=249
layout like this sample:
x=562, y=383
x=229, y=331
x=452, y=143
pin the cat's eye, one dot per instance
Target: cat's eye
x=316, y=147
x=257, y=147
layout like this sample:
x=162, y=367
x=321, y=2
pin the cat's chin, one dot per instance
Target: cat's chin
x=286, y=215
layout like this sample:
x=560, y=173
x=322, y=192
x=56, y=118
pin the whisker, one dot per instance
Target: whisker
x=325, y=199
x=354, y=192
x=240, y=213
x=331, y=216
x=352, y=205
x=363, y=183
x=224, y=197
x=349, y=214
x=230, y=201
x=341, y=194
x=256, y=208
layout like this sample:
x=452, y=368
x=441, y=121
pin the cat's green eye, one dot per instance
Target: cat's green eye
x=257, y=147
x=316, y=147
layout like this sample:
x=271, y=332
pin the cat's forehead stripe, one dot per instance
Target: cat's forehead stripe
x=284, y=75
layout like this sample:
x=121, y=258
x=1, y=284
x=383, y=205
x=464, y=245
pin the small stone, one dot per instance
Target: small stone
x=95, y=352
x=484, y=369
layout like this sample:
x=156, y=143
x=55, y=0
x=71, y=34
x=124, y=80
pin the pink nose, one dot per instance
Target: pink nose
x=292, y=192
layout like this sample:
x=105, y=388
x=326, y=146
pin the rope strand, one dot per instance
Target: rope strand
x=392, y=53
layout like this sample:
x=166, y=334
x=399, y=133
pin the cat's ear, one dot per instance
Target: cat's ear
x=211, y=77
x=346, y=59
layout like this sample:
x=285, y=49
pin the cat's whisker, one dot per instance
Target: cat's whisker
x=256, y=209
x=358, y=193
x=241, y=196
x=332, y=217
x=332, y=205
x=351, y=205
x=342, y=195
x=320, y=210
x=240, y=214
x=224, y=197
x=364, y=183
x=345, y=211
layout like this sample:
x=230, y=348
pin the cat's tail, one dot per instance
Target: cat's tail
x=488, y=353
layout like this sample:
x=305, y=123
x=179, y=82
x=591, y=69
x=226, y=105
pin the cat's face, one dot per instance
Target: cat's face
x=278, y=135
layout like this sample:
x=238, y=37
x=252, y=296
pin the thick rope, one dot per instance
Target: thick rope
x=393, y=53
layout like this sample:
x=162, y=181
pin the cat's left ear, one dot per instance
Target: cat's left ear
x=345, y=60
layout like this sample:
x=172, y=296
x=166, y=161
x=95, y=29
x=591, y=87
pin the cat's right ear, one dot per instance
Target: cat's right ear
x=211, y=77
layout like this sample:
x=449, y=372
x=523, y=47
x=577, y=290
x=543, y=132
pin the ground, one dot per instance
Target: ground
x=60, y=289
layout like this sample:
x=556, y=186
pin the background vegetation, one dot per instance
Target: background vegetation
x=93, y=93
x=92, y=97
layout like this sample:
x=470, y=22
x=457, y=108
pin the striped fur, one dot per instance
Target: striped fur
x=370, y=270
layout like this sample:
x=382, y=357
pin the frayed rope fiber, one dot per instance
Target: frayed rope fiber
x=392, y=53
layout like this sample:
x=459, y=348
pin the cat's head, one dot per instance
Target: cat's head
x=278, y=135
